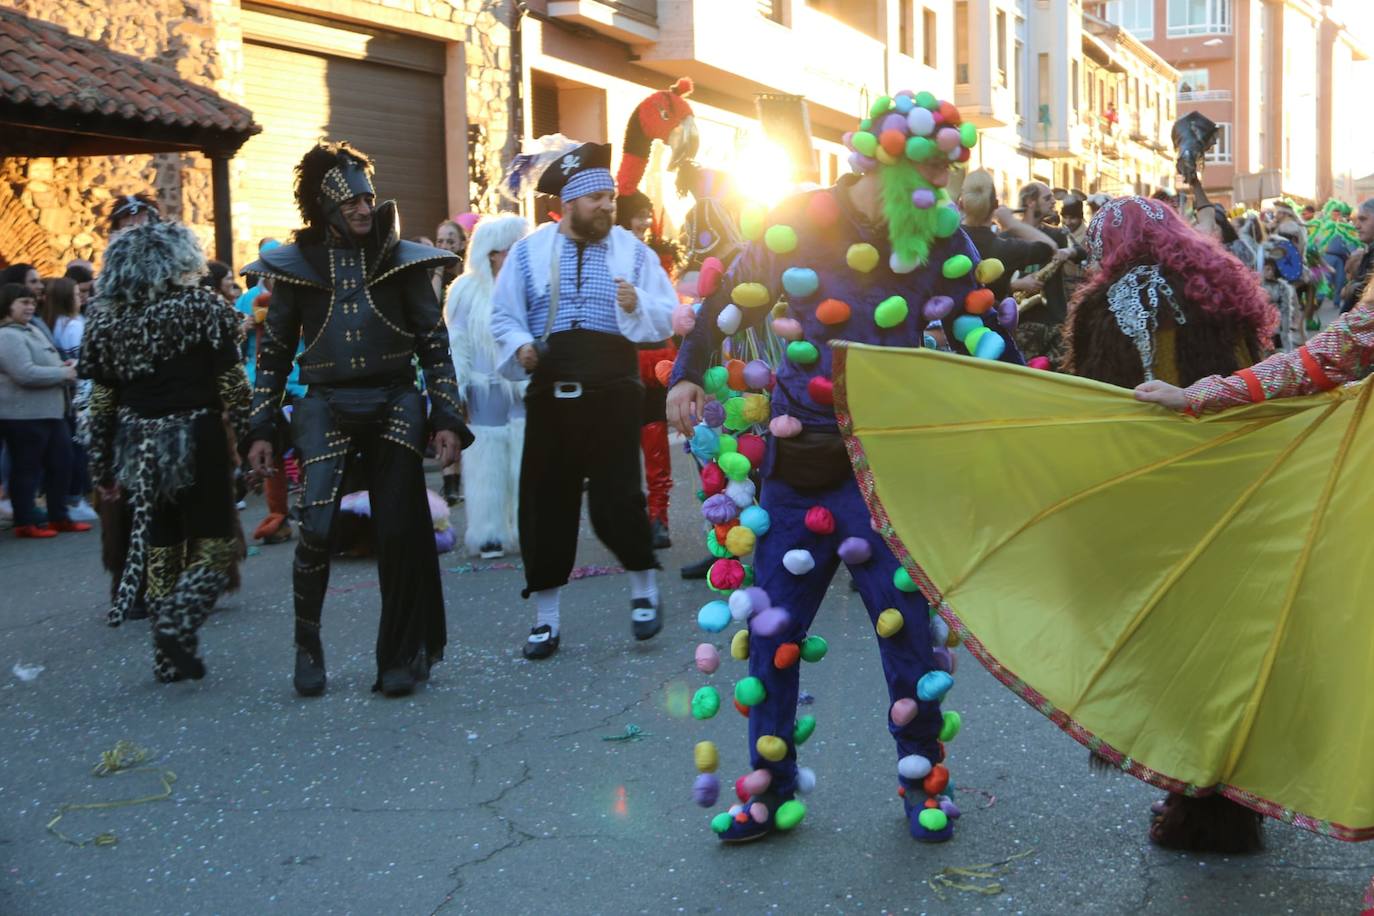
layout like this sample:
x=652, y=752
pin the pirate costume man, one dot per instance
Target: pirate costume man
x=361, y=300
x=162, y=354
x=584, y=400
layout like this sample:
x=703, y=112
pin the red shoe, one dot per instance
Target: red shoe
x=34, y=531
x=68, y=526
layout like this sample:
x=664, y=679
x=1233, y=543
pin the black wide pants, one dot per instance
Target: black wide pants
x=593, y=437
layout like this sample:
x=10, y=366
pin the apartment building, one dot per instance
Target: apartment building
x=1273, y=74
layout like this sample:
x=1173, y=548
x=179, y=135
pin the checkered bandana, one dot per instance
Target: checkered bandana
x=587, y=182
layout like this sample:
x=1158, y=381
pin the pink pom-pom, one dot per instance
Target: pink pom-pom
x=707, y=658
x=438, y=508
x=1039, y=362
x=819, y=520
x=757, y=782
x=787, y=328
x=903, y=711
x=785, y=427
x=758, y=811
x=709, y=276
x=947, y=139
x=822, y=390
x=726, y=575
x=712, y=479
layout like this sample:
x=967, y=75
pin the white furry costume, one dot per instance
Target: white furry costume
x=495, y=404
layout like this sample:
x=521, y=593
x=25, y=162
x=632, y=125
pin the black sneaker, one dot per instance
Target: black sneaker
x=645, y=619
x=698, y=570
x=453, y=489
x=309, y=679
x=491, y=550
x=660, y=532
x=541, y=643
x=187, y=666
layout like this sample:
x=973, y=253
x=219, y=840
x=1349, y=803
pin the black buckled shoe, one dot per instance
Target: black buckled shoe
x=541, y=643
x=397, y=682
x=645, y=619
x=309, y=679
x=698, y=570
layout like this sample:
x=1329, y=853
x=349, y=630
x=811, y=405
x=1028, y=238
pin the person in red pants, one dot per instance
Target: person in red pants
x=635, y=212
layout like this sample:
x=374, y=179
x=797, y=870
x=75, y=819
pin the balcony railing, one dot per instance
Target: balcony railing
x=1205, y=95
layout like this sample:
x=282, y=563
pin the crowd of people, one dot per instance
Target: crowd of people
x=536, y=364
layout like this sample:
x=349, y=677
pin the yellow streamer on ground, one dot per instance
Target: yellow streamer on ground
x=944, y=879
x=124, y=757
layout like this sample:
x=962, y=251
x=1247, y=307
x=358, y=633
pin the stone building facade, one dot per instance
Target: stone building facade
x=202, y=40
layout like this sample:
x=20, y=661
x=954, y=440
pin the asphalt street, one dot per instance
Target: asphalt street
x=564, y=787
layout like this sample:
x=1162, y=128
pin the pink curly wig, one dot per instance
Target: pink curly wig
x=1130, y=231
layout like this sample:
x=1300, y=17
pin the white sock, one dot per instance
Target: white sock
x=644, y=584
x=546, y=609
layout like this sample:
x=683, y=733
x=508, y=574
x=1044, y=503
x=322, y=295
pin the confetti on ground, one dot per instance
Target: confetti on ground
x=124, y=757
x=945, y=878
x=805, y=699
x=989, y=799
x=632, y=733
x=27, y=672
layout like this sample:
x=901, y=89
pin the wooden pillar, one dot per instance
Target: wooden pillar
x=224, y=224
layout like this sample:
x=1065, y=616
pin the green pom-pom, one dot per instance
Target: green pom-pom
x=919, y=149
x=866, y=124
x=933, y=819
x=805, y=726
x=749, y=691
x=715, y=379
x=927, y=100
x=891, y=312
x=735, y=465
x=881, y=105
x=803, y=352
x=902, y=579
x=721, y=822
x=734, y=415
x=705, y=703
x=813, y=648
x=727, y=444
x=865, y=143
x=968, y=135
x=946, y=222
x=971, y=339
x=714, y=546
x=748, y=575
x=949, y=727
x=780, y=239
x=957, y=266
x=790, y=814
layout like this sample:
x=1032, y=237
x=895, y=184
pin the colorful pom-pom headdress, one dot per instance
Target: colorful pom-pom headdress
x=903, y=131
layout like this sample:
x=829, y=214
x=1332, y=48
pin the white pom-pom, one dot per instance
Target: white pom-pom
x=806, y=780
x=798, y=562
x=729, y=319
x=913, y=766
x=741, y=493
x=740, y=605
x=901, y=265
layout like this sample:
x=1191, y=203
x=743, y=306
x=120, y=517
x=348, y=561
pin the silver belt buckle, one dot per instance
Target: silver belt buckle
x=567, y=390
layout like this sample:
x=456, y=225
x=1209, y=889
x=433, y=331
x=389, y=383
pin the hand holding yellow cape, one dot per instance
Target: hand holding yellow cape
x=1189, y=598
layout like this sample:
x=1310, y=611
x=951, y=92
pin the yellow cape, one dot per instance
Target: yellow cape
x=1189, y=598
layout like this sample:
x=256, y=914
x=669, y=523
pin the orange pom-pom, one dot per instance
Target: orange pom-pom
x=832, y=311
x=822, y=210
x=262, y=300
x=735, y=375
x=931, y=803
x=950, y=114
x=742, y=709
x=979, y=301
x=936, y=780
x=893, y=141
x=723, y=531
x=786, y=655
x=663, y=370
x=901, y=791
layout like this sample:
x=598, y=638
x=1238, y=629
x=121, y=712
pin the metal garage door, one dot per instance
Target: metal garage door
x=305, y=79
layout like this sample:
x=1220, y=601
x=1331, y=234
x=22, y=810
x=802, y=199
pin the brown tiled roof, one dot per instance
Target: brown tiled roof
x=52, y=79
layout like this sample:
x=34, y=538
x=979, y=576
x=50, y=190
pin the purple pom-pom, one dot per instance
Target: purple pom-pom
x=855, y=551
x=713, y=414
x=937, y=307
x=950, y=808
x=858, y=162
x=923, y=198
x=770, y=622
x=895, y=122
x=757, y=374
x=758, y=598
x=848, y=139
x=719, y=509
x=943, y=661
x=706, y=790
x=1008, y=315
x=444, y=540
x=705, y=239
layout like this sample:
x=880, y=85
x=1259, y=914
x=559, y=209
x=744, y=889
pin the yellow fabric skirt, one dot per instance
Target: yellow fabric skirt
x=1189, y=598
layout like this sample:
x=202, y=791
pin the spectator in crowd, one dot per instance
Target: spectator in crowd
x=33, y=400
x=1280, y=293
x=25, y=275
x=62, y=314
x=220, y=278
x=1017, y=245
x=84, y=277
x=450, y=237
x=132, y=210
x=1357, y=268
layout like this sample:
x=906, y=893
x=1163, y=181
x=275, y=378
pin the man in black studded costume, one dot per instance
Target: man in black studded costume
x=361, y=301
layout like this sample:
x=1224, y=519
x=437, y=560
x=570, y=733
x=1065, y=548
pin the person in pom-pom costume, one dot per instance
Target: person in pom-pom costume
x=874, y=260
x=569, y=306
